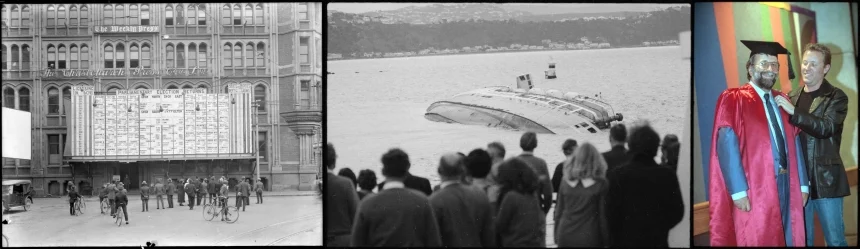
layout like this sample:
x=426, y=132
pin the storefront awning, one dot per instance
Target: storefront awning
x=139, y=158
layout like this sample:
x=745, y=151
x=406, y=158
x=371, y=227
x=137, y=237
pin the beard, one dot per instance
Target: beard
x=764, y=80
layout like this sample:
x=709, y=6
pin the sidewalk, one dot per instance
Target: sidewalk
x=136, y=193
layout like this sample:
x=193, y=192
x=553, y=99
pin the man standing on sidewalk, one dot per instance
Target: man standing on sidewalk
x=258, y=187
x=204, y=191
x=111, y=195
x=180, y=191
x=189, y=188
x=246, y=193
x=169, y=189
x=159, y=194
x=144, y=197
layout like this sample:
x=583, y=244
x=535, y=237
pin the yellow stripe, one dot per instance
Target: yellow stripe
x=781, y=5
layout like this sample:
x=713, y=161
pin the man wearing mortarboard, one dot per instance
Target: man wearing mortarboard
x=758, y=183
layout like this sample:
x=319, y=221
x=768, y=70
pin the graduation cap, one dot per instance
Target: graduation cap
x=770, y=48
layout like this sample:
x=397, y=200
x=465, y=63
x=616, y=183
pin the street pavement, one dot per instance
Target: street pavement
x=281, y=220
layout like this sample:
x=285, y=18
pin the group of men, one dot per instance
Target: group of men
x=776, y=169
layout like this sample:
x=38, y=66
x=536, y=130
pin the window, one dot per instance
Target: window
x=52, y=57
x=226, y=55
x=249, y=14
x=201, y=15
x=61, y=15
x=170, y=56
x=15, y=53
x=191, y=15
x=260, y=97
x=140, y=87
x=61, y=62
x=145, y=56
x=258, y=15
x=54, y=155
x=179, y=15
x=67, y=101
x=261, y=55
x=201, y=55
x=303, y=11
x=237, y=15
x=3, y=51
x=180, y=56
x=120, y=56
x=9, y=97
x=187, y=87
x=168, y=14
x=3, y=18
x=225, y=15
x=25, y=57
x=24, y=99
x=119, y=15
x=85, y=57
x=113, y=89
x=172, y=87
x=192, y=55
x=74, y=56
x=303, y=50
x=134, y=14
x=108, y=56
x=304, y=96
x=237, y=55
x=144, y=14
x=53, y=101
x=249, y=54
x=134, y=56
x=318, y=51
x=52, y=15
x=108, y=10
x=84, y=15
x=73, y=15
x=262, y=145
x=25, y=19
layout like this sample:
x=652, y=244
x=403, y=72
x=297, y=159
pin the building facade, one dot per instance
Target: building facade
x=48, y=48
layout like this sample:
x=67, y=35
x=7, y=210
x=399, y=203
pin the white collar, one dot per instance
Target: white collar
x=393, y=184
x=531, y=153
x=761, y=92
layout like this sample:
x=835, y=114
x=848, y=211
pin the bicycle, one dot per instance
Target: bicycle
x=229, y=212
x=105, y=206
x=79, y=206
x=119, y=215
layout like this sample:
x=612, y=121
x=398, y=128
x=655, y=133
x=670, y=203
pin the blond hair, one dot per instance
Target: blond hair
x=587, y=163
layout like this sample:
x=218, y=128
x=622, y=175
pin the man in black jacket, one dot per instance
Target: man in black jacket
x=567, y=148
x=413, y=182
x=341, y=203
x=618, y=155
x=122, y=202
x=819, y=110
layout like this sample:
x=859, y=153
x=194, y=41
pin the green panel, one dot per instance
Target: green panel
x=791, y=44
x=750, y=24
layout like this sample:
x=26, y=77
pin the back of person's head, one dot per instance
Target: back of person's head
x=366, y=179
x=643, y=140
x=618, y=133
x=669, y=139
x=330, y=156
x=672, y=151
x=496, y=149
x=528, y=142
x=568, y=146
x=346, y=172
x=587, y=163
x=395, y=163
x=450, y=166
x=478, y=163
x=516, y=175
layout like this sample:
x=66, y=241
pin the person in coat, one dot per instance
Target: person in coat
x=204, y=191
x=201, y=191
x=245, y=187
x=73, y=195
x=122, y=201
x=224, y=196
x=258, y=188
x=520, y=221
x=103, y=193
x=169, y=190
x=111, y=188
x=180, y=191
x=189, y=188
x=581, y=218
x=159, y=194
x=144, y=196
x=213, y=189
x=463, y=212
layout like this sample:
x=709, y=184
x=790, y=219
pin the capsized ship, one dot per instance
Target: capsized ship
x=525, y=108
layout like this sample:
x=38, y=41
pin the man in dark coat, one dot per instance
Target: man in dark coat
x=200, y=190
x=567, y=148
x=122, y=202
x=144, y=197
x=214, y=187
x=258, y=188
x=618, y=155
x=396, y=216
x=180, y=191
x=112, y=197
x=170, y=189
x=341, y=203
x=528, y=142
x=644, y=198
x=414, y=182
x=159, y=193
x=190, y=189
x=204, y=191
x=73, y=195
x=103, y=193
x=463, y=212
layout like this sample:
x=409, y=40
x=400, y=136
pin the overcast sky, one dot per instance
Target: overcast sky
x=537, y=9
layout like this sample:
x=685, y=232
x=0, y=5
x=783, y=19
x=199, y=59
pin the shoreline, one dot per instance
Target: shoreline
x=494, y=52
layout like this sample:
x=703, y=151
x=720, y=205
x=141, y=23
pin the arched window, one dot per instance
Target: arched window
x=73, y=15
x=66, y=100
x=225, y=15
x=258, y=15
x=25, y=16
x=140, y=87
x=202, y=86
x=108, y=56
x=249, y=14
x=187, y=87
x=226, y=88
x=120, y=56
x=237, y=15
x=15, y=53
x=192, y=55
x=260, y=97
x=145, y=56
x=61, y=15
x=84, y=16
x=53, y=101
x=134, y=14
x=180, y=55
x=52, y=15
x=249, y=55
x=25, y=57
x=144, y=14
x=9, y=98
x=191, y=15
x=170, y=56
x=3, y=19
x=228, y=51
x=180, y=13
x=201, y=15
x=168, y=15
x=172, y=87
x=237, y=55
x=134, y=56
x=61, y=61
x=120, y=15
x=113, y=89
x=16, y=15
x=52, y=57
x=108, y=10
x=24, y=99
x=3, y=51
x=85, y=57
x=201, y=55
x=74, y=56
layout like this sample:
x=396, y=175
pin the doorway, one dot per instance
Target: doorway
x=129, y=174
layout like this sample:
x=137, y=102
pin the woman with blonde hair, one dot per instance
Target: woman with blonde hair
x=581, y=212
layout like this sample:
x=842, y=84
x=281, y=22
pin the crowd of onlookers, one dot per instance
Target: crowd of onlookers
x=619, y=198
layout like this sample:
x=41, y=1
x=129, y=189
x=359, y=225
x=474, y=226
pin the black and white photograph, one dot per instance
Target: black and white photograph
x=509, y=125
x=162, y=124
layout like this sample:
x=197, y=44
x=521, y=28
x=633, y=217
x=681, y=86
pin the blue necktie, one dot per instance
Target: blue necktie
x=780, y=141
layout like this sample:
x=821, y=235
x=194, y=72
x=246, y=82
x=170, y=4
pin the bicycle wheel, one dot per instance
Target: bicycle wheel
x=118, y=216
x=209, y=212
x=105, y=208
x=78, y=210
x=232, y=214
x=5, y=241
x=83, y=204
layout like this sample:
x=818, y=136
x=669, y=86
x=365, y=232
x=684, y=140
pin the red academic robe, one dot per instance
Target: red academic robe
x=741, y=109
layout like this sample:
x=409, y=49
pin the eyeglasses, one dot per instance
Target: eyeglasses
x=765, y=64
